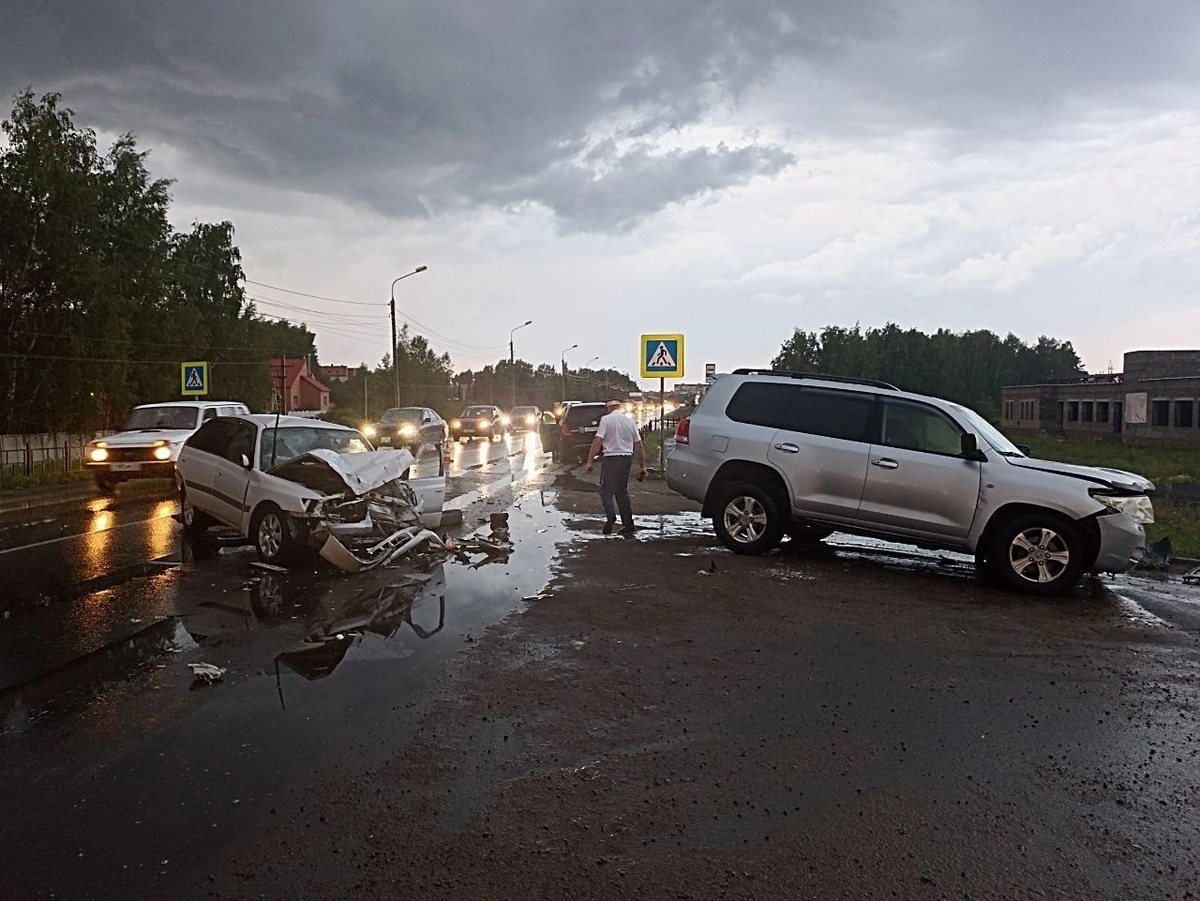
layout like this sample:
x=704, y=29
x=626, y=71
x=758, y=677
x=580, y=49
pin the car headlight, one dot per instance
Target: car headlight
x=483, y=423
x=408, y=429
x=1137, y=507
x=456, y=424
x=369, y=431
x=530, y=420
x=504, y=420
x=98, y=454
x=162, y=452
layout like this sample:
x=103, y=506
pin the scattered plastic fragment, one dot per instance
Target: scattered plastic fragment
x=206, y=674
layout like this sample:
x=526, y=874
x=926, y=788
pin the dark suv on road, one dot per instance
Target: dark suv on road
x=576, y=429
x=770, y=453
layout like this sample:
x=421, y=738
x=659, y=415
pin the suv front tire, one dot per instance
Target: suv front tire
x=748, y=519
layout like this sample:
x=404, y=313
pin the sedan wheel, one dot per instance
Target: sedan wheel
x=195, y=522
x=748, y=520
x=1038, y=554
x=271, y=537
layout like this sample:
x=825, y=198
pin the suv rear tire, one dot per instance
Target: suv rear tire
x=1037, y=553
x=748, y=519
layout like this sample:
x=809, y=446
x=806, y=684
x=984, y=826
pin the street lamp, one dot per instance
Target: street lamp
x=395, y=363
x=512, y=361
x=564, y=368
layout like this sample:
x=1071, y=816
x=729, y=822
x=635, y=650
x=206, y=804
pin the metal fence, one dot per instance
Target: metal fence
x=23, y=456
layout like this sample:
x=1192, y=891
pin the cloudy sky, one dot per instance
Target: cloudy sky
x=730, y=170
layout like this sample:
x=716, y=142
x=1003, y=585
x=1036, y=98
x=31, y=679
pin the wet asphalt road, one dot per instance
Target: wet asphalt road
x=123, y=774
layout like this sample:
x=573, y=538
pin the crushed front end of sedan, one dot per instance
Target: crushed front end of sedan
x=364, y=512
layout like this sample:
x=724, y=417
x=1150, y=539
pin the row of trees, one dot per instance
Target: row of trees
x=100, y=299
x=970, y=368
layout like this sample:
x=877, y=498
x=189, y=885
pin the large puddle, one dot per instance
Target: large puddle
x=322, y=642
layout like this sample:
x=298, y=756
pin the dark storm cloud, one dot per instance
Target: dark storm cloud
x=411, y=107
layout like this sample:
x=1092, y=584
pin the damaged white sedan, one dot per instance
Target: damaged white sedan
x=287, y=483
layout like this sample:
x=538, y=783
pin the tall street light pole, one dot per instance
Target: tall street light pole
x=564, y=368
x=395, y=363
x=512, y=362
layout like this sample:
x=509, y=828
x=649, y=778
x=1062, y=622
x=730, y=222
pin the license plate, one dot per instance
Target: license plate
x=386, y=439
x=125, y=467
x=592, y=429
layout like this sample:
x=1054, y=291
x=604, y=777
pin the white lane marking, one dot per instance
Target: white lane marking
x=127, y=525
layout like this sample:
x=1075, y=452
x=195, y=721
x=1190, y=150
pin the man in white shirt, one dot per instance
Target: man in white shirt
x=620, y=439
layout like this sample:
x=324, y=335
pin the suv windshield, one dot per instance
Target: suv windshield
x=163, y=418
x=401, y=414
x=990, y=433
x=280, y=445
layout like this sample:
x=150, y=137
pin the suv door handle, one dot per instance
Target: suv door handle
x=788, y=448
x=885, y=463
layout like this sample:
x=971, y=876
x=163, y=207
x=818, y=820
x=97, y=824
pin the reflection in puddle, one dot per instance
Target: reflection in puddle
x=73, y=686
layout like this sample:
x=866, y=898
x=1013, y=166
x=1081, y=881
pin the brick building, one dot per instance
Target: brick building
x=1155, y=400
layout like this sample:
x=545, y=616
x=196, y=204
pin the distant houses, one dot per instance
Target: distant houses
x=295, y=389
x=1154, y=400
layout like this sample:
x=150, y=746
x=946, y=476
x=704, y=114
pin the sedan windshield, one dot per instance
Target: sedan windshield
x=478, y=411
x=163, y=418
x=401, y=414
x=280, y=445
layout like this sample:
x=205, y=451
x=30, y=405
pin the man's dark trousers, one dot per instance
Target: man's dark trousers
x=614, y=488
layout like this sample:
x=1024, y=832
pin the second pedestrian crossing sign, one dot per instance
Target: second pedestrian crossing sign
x=662, y=356
x=195, y=378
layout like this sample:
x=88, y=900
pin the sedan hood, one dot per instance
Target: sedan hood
x=1113, y=478
x=329, y=472
x=143, y=437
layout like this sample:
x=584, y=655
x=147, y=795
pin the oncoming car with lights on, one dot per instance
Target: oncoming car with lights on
x=479, y=421
x=148, y=446
x=525, y=419
x=408, y=427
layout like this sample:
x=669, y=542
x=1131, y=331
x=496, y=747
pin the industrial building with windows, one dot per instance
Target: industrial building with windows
x=1154, y=400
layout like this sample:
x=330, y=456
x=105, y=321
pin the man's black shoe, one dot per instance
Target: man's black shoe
x=608, y=526
x=627, y=530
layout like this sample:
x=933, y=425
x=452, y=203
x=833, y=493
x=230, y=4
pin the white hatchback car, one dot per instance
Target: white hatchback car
x=283, y=482
x=149, y=444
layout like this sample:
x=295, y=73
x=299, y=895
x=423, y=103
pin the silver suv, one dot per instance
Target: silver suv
x=770, y=453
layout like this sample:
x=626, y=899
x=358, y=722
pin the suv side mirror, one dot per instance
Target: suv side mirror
x=970, y=448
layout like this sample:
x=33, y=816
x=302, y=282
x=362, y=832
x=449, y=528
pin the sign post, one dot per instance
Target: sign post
x=194, y=377
x=662, y=356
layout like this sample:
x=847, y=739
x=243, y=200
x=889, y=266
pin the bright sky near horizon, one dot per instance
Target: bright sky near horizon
x=729, y=170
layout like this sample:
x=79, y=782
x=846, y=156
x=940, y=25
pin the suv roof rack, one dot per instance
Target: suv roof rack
x=787, y=373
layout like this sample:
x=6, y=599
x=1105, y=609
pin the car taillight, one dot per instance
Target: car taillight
x=681, y=431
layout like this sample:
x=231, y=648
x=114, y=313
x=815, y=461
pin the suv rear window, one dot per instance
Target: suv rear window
x=583, y=415
x=761, y=403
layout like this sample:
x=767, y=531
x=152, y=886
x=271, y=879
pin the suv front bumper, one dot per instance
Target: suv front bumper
x=1122, y=544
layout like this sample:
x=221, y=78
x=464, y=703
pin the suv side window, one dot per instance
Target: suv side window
x=918, y=427
x=761, y=403
x=833, y=414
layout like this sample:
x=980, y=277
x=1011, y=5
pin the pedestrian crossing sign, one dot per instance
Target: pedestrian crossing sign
x=662, y=356
x=195, y=378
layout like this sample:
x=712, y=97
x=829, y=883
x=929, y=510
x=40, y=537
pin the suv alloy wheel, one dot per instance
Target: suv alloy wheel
x=748, y=519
